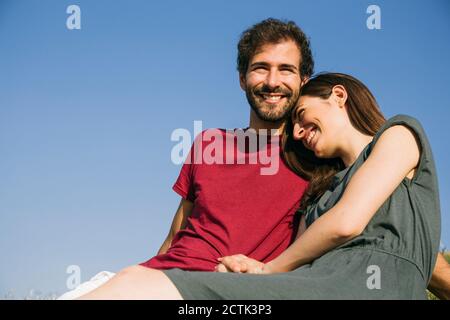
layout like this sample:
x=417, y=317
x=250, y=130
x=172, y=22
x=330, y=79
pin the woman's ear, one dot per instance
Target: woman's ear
x=304, y=81
x=340, y=95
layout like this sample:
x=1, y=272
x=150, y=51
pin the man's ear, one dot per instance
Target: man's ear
x=242, y=82
x=340, y=94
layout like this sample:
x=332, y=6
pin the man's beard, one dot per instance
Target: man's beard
x=267, y=112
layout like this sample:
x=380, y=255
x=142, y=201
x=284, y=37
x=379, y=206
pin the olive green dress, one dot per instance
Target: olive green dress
x=392, y=259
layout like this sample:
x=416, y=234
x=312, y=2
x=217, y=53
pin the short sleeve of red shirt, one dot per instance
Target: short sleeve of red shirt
x=184, y=185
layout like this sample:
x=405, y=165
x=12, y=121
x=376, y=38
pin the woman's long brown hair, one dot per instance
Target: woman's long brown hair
x=364, y=114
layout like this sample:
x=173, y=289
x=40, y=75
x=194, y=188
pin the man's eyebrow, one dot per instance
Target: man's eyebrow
x=286, y=65
x=259, y=64
x=265, y=64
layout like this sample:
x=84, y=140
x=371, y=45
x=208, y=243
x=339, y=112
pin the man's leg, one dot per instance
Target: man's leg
x=135, y=283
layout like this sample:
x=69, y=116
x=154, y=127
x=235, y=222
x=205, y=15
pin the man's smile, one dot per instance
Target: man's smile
x=272, y=97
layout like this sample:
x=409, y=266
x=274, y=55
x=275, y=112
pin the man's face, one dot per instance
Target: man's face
x=272, y=82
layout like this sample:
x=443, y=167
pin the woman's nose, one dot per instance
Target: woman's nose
x=299, y=132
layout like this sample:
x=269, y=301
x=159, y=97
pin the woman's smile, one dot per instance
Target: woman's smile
x=311, y=136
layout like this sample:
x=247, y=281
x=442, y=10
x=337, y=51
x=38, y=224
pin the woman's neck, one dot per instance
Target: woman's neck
x=354, y=146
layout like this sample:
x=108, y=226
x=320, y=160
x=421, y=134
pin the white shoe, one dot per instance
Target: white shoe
x=86, y=287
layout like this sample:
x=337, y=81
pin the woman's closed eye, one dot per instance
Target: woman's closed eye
x=299, y=114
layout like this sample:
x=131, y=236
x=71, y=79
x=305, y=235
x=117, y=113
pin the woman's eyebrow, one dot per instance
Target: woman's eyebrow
x=299, y=112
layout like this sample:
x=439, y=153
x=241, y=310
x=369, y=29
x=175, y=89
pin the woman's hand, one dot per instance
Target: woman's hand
x=241, y=264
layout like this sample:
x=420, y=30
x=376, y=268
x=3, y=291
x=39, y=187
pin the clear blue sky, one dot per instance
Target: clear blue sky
x=86, y=115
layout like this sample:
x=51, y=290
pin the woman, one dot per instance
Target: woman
x=370, y=220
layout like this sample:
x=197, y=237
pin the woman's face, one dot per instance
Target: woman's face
x=320, y=124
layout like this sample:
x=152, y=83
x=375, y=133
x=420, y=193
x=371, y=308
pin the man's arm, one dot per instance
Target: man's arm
x=179, y=222
x=440, y=280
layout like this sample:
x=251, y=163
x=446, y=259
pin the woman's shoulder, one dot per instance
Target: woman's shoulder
x=408, y=122
x=401, y=119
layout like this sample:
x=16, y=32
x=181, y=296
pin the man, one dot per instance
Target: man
x=232, y=208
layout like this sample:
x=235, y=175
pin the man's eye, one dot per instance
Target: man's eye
x=286, y=71
x=259, y=69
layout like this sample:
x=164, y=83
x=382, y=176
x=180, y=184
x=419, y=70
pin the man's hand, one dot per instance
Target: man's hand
x=241, y=264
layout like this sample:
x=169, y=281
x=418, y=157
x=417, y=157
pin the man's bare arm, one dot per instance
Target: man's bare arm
x=179, y=222
x=440, y=280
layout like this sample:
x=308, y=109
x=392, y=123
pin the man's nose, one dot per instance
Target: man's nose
x=273, y=79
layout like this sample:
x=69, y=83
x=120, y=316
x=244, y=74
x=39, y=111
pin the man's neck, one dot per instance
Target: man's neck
x=257, y=124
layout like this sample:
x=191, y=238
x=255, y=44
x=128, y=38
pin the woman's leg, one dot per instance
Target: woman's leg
x=135, y=283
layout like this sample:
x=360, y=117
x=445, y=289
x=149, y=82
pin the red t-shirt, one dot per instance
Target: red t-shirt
x=237, y=209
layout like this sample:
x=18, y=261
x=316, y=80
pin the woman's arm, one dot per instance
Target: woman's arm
x=393, y=157
x=243, y=264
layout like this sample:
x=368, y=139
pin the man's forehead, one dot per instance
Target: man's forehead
x=283, y=52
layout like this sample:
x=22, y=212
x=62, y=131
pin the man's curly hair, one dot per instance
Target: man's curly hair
x=274, y=31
